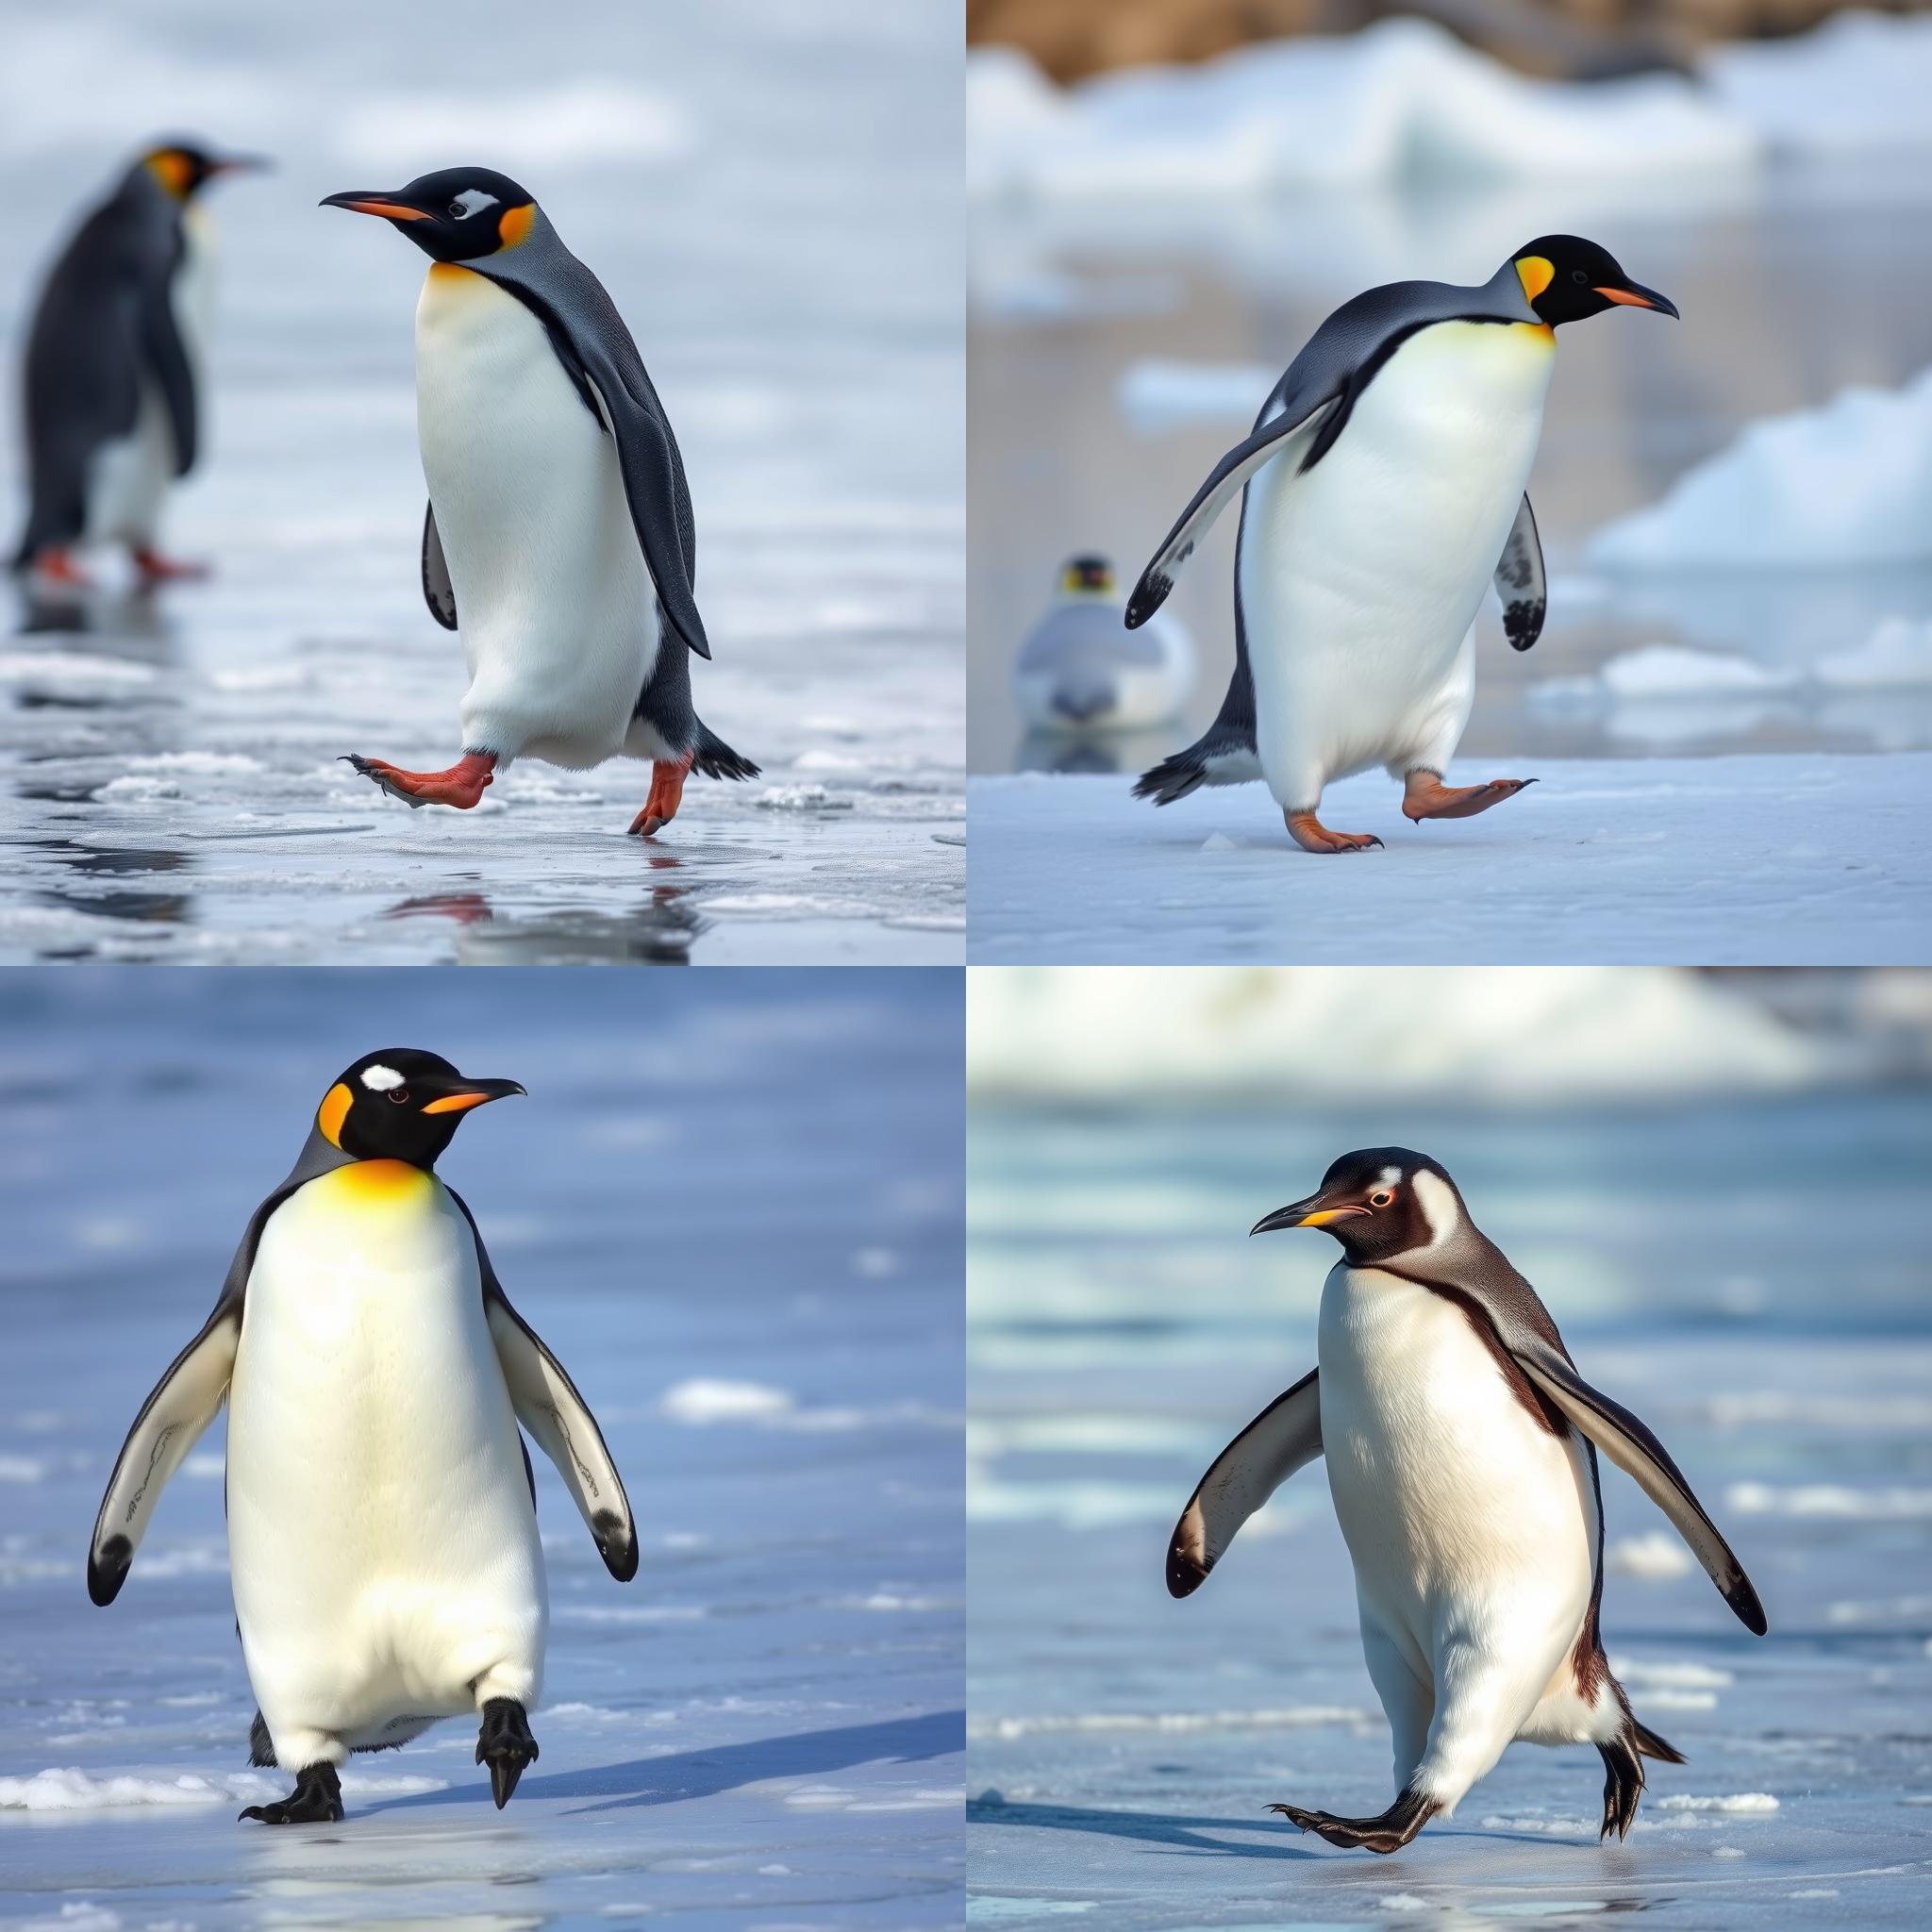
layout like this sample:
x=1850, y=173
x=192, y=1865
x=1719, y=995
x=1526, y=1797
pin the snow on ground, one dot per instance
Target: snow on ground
x=1122, y=1327
x=764, y=1727
x=1711, y=861
x=1404, y=97
x=169, y=765
x=1847, y=483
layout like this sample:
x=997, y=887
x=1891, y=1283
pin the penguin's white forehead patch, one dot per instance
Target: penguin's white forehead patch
x=380, y=1079
x=1389, y=1175
x=473, y=201
x=1438, y=1201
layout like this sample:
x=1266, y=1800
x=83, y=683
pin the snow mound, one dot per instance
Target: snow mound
x=1856, y=86
x=1464, y=1034
x=1402, y=98
x=1159, y=393
x=1673, y=671
x=702, y=1401
x=1848, y=482
x=1654, y=1555
x=73, y=1790
x=1898, y=654
x=800, y=798
x=1830, y=1499
x=589, y=120
x=1742, y=1801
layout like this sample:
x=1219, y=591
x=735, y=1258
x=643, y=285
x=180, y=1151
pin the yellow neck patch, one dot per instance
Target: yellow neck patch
x=1536, y=273
x=516, y=223
x=333, y=1111
x=172, y=171
x=378, y=1181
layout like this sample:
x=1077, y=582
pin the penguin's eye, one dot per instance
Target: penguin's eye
x=399, y=1096
x=1580, y=276
x=1380, y=1198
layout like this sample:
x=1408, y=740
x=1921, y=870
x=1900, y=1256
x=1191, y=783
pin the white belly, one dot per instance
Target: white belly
x=1360, y=580
x=1466, y=1520
x=128, y=479
x=556, y=610
x=384, y=1544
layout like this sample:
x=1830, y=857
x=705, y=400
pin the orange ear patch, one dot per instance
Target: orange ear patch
x=172, y=169
x=333, y=1111
x=515, y=224
x=1536, y=273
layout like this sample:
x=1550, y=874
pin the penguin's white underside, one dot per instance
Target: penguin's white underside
x=557, y=609
x=1361, y=579
x=386, y=1559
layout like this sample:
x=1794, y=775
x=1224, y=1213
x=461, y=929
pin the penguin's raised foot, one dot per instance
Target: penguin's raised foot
x=1388, y=1833
x=57, y=570
x=1311, y=835
x=1623, y=1787
x=317, y=1799
x=1425, y=796
x=506, y=1746
x=462, y=785
x=667, y=793
x=157, y=569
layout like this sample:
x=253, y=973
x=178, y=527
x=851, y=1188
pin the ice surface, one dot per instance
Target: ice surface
x=1122, y=1327
x=1158, y=392
x=1848, y=482
x=1746, y=860
x=684, y=1198
x=798, y=308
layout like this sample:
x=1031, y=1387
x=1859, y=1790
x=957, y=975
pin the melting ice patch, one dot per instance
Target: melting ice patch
x=73, y=1790
x=1166, y=1723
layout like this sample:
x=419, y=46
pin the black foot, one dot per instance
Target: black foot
x=506, y=1746
x=317, y=1799
x=1623, y=1787
x=1387, y=1833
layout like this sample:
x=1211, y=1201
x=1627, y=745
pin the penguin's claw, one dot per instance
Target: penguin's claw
x=506, y=1746
x=667, y=793
x=317, y=1799
x=1388, y=1833
x=462, y=785
x=1425, y=796
x=1311, y=835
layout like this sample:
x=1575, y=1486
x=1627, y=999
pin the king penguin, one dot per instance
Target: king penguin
x=1080, y=671
x=382, y=1521
x=1461, y=1447
x=1382, y=488
x=115, y=357
x=558, y=535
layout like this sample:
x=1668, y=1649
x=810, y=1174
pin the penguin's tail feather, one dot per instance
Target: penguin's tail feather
x=1219, y=757
x=716, y=760
x=261, y=1753
x=1650, y=1745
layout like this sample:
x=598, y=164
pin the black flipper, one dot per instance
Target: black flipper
x=548, y=1405
x=1285, y=1437
x=1521, y=583
x=166, y=358
x=438, y=591
x=601, y=359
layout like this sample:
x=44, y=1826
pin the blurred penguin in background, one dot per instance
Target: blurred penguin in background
x=115, y=367
x=1081, y=670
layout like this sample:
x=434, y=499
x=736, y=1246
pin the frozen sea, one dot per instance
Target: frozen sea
x=736, y=1217
x=1750, y=1278
x=168, y=765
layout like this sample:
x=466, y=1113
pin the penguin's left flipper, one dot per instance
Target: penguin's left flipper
x=1631, y=1446
x=166, y=357
x=548, y=1405
x=1285, y=1437
x=438, y=591
x=1520, y=582
x=171, y=1422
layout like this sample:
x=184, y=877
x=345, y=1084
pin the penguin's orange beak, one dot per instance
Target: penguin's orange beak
x=364, y=202
x=1635, y=296
x=471, y=1093
x=1308, y=1213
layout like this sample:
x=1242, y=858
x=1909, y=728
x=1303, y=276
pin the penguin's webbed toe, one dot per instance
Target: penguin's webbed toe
x=462, y=785
x=1388, y=1833
x=1311, y=835
x=1424, y=796
x=317, y=1799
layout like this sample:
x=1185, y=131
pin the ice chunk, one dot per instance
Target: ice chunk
x=702, y=1400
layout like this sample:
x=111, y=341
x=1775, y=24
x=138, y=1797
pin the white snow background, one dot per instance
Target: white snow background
x=169, y=764
x=737, y=1220
x=1732, y=1230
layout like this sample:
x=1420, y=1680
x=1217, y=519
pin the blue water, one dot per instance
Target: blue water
x=1751, y=1279
x=751, y=1178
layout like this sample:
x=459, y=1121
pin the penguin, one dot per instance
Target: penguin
x=114, y=365
x=1080, y=672
x=1462, y=1445
x=382, y=1521
x=560, y=529
x=1382, y=489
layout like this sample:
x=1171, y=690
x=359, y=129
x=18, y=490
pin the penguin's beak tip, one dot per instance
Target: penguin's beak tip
x=1635, y=296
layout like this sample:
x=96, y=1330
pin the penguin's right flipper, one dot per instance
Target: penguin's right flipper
x=171, y=1422
x=1285, y=1437
x=438, y=591
x=1631, y=1446
x=166, y=357
x=1520, y=582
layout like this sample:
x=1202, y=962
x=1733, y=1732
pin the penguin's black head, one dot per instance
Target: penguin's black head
x=457, y=214
x=184, y=168
x=1086, y=576
x=401, y=1104
x=1567, y=278
x=1378, y=1203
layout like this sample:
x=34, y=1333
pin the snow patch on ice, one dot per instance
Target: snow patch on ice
x=1830, y=1499
x=602, y=119
x=1746, y=1802
x=1896, y=655
x=1157, y=393
x=1673, y=1677
x=70, y=1789
x=1847, y=482
x=1673, y=670
x=800, y=798
x=1293, y=1717
x=1856, y=86
x=702, y=1400
x=1656, y=1554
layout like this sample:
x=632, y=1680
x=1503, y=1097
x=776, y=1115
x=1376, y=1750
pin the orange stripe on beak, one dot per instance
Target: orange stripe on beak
x=457, y=1103
x=1627, y=298
x=390, y=210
